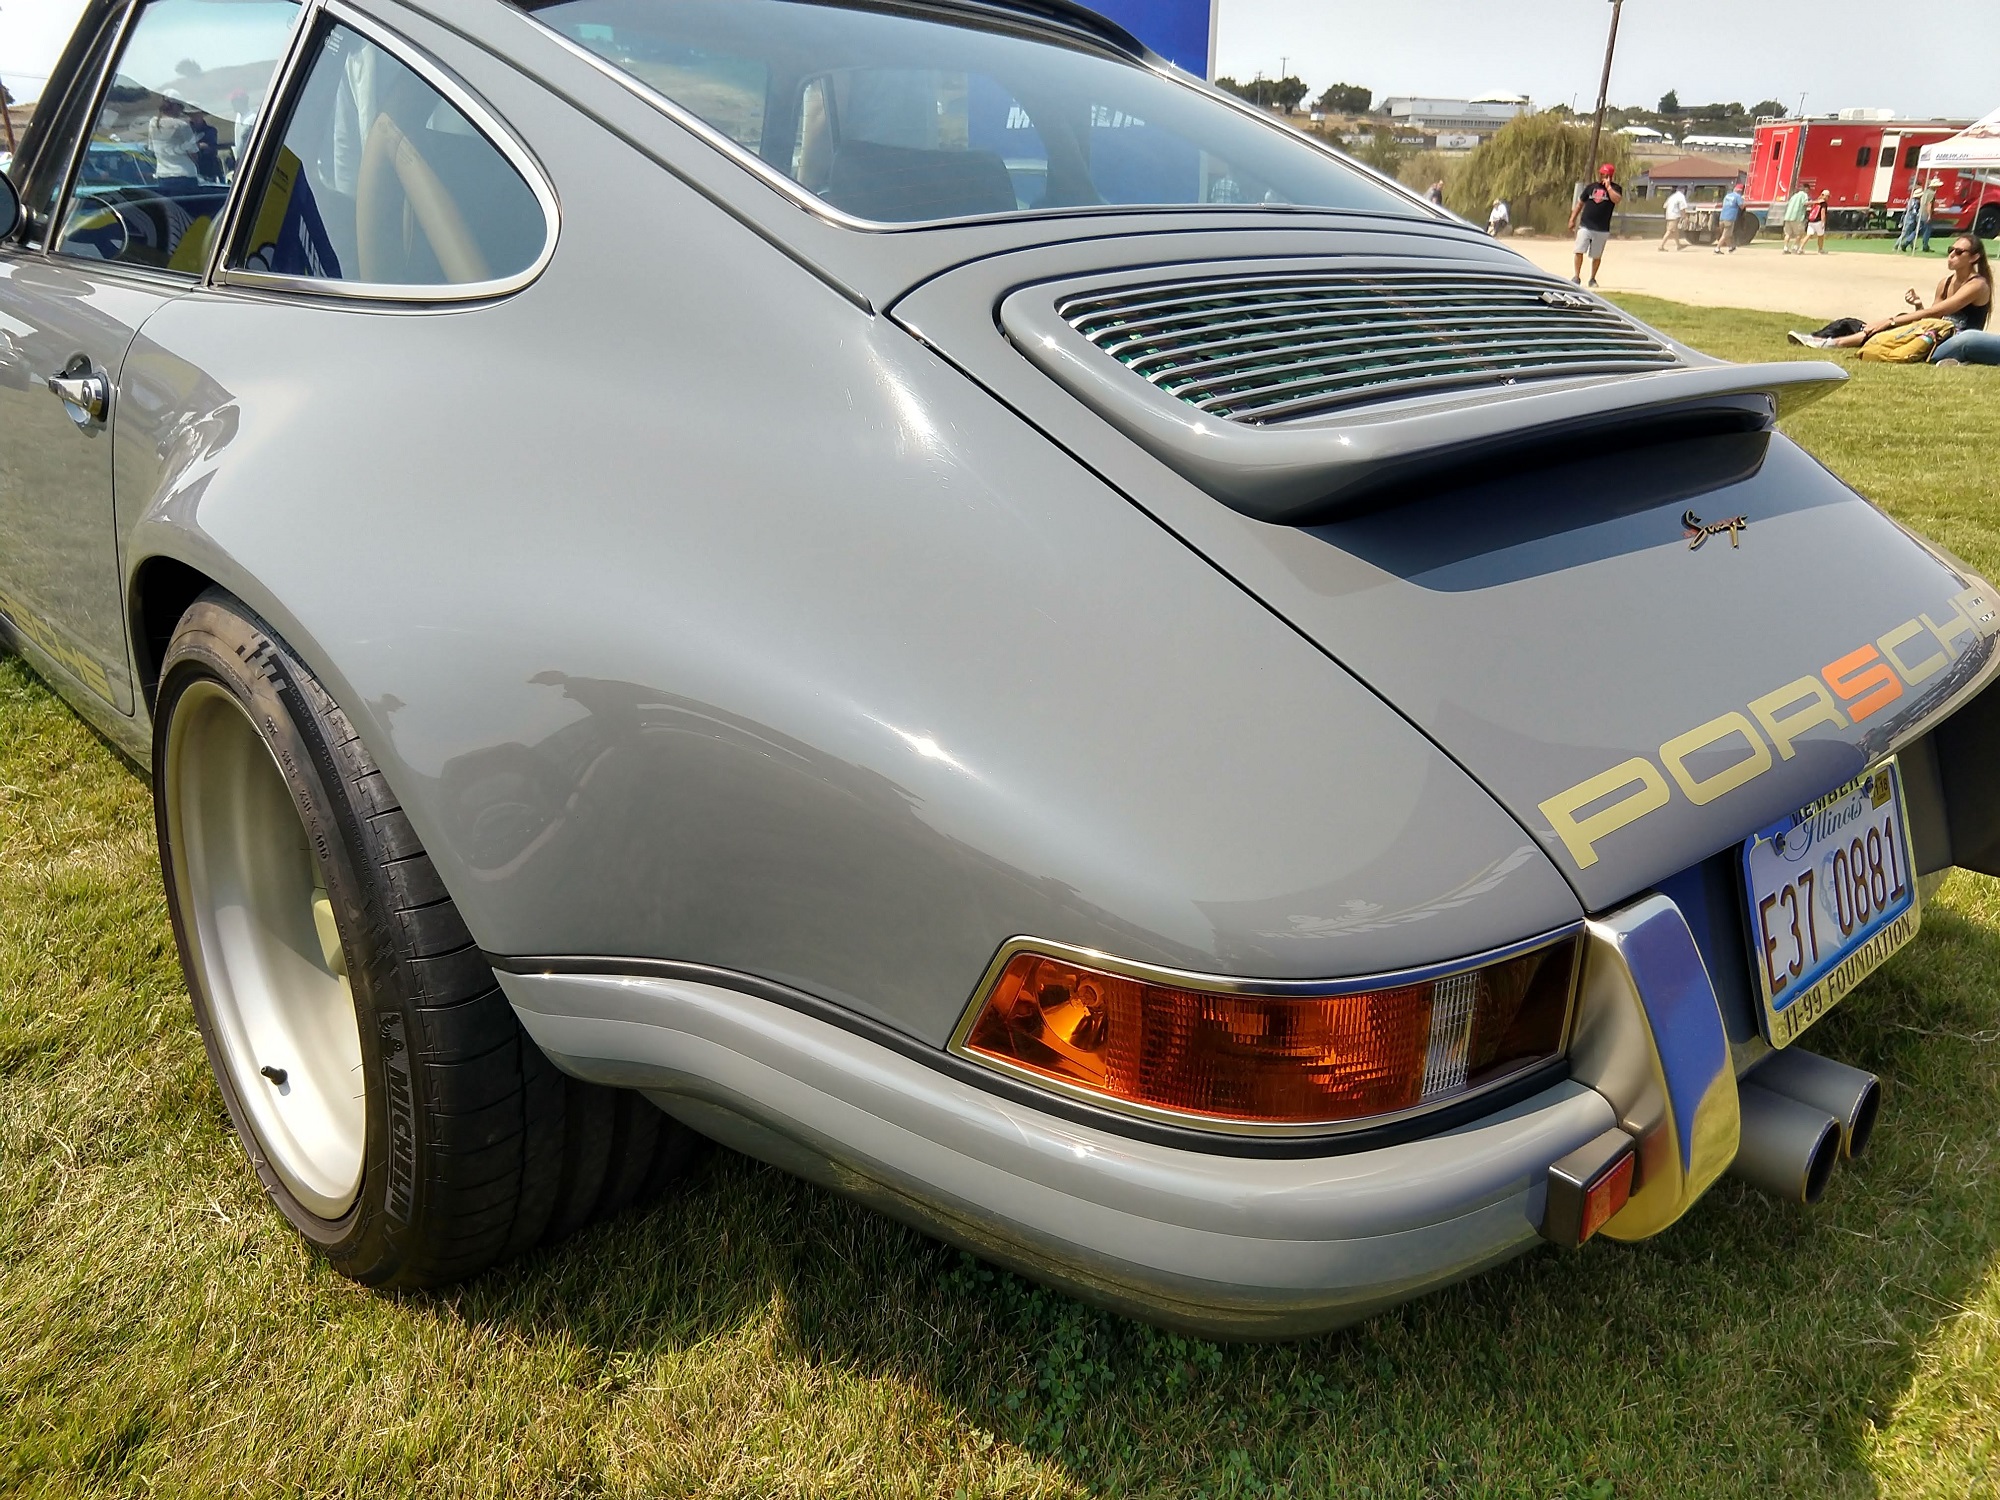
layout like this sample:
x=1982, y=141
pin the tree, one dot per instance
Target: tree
x=1768, y=107
x=1380, y=150
x=1532, y=159
x=1346, y=99
x=1419, y=169
x=1670, y=102
x=1285, y=93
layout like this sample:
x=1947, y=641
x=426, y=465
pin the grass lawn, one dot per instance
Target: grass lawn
x=162, y=1332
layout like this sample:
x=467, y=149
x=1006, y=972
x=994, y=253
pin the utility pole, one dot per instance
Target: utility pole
x=1604, y=85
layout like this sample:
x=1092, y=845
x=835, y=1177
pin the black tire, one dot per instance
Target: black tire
x=1987, y=225
x=635, y=1138
x=586, y=1158
x=468, y=1156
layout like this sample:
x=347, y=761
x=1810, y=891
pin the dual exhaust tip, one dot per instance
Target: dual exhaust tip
x=1802, y=1114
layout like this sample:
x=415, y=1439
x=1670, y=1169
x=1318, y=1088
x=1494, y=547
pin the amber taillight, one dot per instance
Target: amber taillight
x=1274, y=1059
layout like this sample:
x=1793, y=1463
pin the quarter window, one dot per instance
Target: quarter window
x=380, y=180
x=157, y=166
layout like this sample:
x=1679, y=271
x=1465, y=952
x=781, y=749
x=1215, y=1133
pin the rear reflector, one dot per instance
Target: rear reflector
x=1587, y=1187
x=1280, y=1059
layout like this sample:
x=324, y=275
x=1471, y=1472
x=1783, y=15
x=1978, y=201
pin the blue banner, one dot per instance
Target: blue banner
x=1182, y=31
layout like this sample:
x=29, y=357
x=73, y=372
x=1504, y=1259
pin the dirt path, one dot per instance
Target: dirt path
x=1816, y=287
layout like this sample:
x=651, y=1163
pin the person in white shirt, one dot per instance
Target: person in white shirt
x=1677, y=202
x=1497, y=219
x=172, y=139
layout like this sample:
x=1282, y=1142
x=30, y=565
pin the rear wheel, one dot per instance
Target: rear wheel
x=387, y=1097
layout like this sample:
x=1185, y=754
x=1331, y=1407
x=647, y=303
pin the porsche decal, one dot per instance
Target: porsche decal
x=1845, y=691
x=30, y=628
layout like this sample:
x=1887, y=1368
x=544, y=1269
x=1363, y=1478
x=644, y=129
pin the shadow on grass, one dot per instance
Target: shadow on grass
x=1753, y=1348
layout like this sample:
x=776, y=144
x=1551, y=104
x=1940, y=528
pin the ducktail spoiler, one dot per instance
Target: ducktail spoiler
x=1296, y=469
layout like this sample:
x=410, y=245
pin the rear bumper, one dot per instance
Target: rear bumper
x=1223, y=1245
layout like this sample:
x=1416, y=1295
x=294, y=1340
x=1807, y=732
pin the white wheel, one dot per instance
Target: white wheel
x=388, y=1099
x=264, y=949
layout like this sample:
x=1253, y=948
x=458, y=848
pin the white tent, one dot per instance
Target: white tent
x=1974, y=149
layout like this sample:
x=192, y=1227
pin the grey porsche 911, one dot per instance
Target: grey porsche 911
x=898, y=585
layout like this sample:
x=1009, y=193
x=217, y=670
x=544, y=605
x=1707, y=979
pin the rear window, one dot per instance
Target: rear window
x=902, y=117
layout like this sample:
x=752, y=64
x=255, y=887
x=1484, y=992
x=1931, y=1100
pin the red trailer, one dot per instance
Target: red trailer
x=1868, y=166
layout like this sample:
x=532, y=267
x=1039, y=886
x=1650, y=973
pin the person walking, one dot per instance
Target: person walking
x=1590, y=218
x=1816, y=212
x=1732, y=210
x=1676, y=207
x=1907, y=240
x=1927, y=214
x=1795, y=220
x=1498, y=221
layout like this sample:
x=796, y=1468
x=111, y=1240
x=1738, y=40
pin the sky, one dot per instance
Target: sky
x=1918, y=57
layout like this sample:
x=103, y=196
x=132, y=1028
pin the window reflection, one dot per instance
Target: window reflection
x=166, y=143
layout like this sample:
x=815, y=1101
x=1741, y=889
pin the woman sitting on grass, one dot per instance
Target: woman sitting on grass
x=1960, y=304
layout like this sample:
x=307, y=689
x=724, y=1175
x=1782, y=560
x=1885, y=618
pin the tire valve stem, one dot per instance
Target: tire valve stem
x=276, y=1075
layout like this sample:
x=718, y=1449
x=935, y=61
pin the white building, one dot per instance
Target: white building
x=1478, y=117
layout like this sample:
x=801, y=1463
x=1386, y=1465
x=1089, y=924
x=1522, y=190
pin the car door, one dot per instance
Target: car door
x=131, y=182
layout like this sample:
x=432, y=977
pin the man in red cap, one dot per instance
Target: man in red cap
x=1590, y=218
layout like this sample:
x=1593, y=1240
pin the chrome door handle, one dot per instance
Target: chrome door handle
x=88, y=394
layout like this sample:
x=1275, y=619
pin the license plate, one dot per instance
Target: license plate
x=1831, y=894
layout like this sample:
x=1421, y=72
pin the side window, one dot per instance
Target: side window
x=1910, y=156
x=1861, y=156
x=162, y=153
x=381, y=181
x=51, y=142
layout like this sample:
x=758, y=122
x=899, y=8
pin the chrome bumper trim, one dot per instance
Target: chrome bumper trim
x=1650, y=1039
x=1226, y=1246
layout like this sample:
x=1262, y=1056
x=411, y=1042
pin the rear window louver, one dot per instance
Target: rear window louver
x=1264, y=349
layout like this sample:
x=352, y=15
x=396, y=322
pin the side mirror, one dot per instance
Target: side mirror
x=10, y=207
